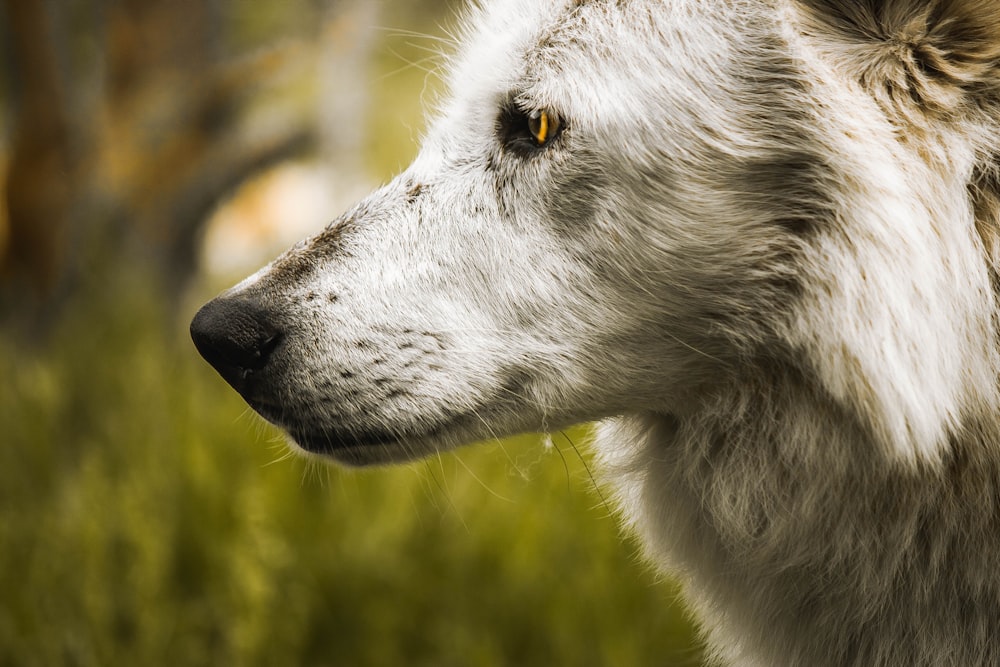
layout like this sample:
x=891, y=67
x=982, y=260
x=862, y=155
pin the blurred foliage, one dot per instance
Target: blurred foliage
x=148, y=518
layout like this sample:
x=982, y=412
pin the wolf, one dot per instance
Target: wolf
x=757, y=241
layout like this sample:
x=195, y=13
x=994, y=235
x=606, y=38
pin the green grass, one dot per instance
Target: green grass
x=147, y=519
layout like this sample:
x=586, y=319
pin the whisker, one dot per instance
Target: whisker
x=445, y=491
x=480, y=481
x=444, y=38
x=590, y=473
x=286, y=454
x=409, y=64
x=549, y=442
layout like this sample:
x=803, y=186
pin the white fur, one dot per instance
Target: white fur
x=760, y=268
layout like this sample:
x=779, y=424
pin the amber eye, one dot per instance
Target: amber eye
x=543, y=126
x=527, y=132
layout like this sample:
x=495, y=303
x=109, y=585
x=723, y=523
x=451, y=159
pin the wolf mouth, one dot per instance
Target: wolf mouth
x=332, y=440
x=327, y=438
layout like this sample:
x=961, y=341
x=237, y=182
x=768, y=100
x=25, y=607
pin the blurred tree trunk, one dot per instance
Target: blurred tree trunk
x=172, y=133
x=40, y=173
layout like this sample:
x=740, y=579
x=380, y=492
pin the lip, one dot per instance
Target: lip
x=332, y=441
x=364, y=448
x=269, y=411
x=335, y=442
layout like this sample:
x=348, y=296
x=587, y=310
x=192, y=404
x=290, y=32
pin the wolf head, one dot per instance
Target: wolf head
x=621, y=208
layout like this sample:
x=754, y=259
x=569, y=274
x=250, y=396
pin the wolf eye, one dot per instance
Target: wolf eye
x=543, y=126
x=527, y=131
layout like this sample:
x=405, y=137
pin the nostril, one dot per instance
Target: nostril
x=260, y=355
x=266, y=347
x=236, y=336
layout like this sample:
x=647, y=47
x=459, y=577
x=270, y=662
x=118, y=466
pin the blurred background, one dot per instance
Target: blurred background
x=152, y=152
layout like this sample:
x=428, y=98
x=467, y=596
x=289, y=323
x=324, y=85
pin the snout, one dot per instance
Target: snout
x=353, y=407
x=238, y=338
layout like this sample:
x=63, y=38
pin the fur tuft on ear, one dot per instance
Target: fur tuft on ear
x=931, y=56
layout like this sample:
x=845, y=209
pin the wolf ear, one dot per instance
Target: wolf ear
x=924, y=61
x=923, y=56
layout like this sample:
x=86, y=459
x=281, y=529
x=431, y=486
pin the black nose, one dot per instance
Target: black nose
x=236, y=336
